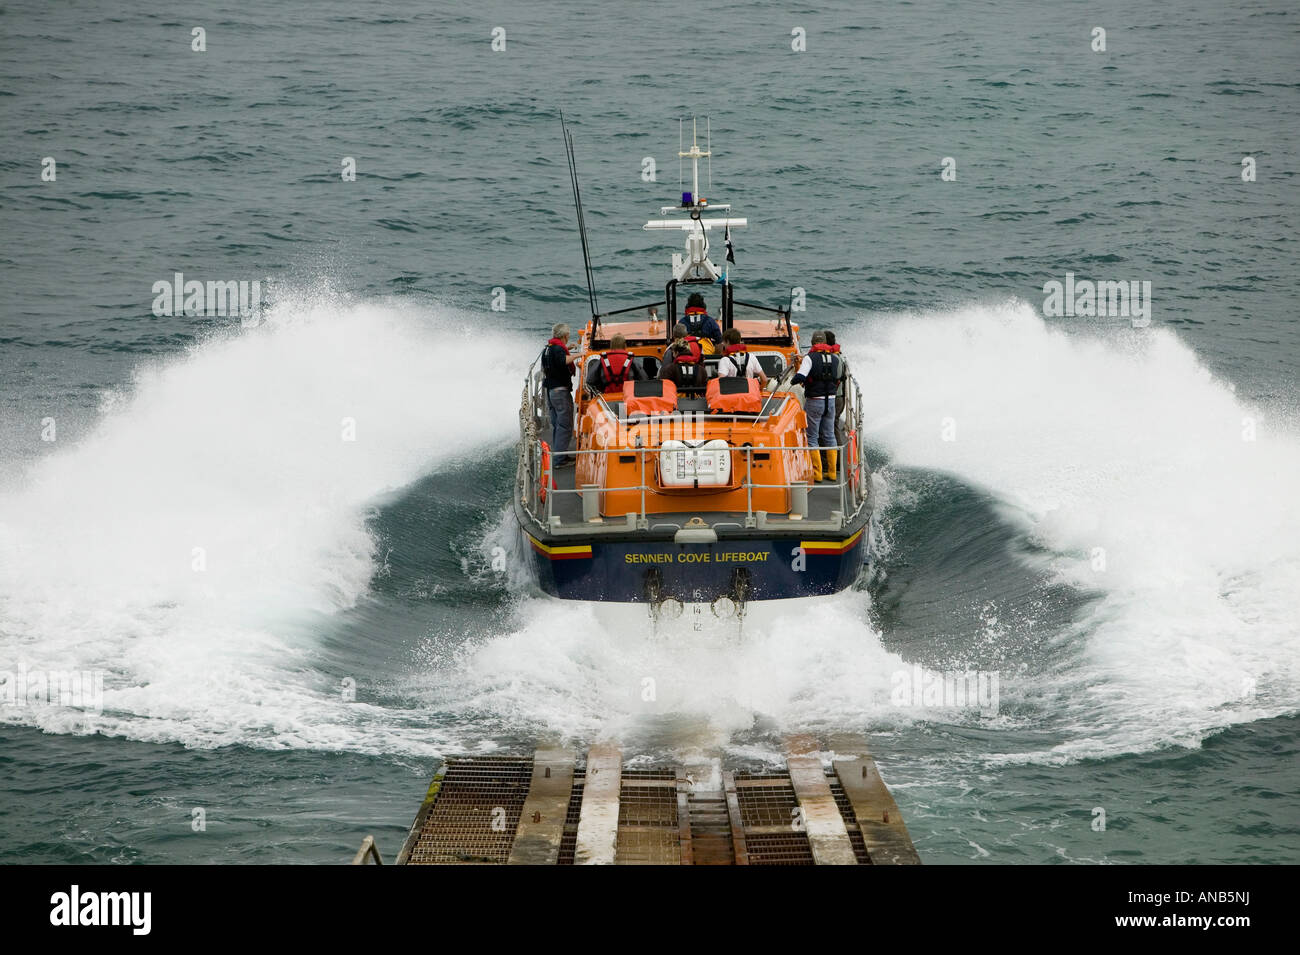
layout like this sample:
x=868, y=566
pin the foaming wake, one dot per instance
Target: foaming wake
x=1134, y=466
x=188, y=546
x=587, y=671
x=1123, y=460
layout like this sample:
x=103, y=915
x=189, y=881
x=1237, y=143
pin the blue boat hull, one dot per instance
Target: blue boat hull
x=637, y=571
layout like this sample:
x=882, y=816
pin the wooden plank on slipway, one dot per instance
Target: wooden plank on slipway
x=541, y=822
x=886, y=837
x=823, y=824
x=881, y=824
x=598, y=818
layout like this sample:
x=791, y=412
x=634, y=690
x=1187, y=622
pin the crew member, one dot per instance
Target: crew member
x=557, y=369
x=681, y=334
x=736, y=359
x=819, y=372
x=841, y=405
x=685, y=369
x=701, y=324
x=608, y=373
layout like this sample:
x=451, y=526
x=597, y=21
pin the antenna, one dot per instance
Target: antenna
x=582, y=222
x=694, y=155
x=679, y=153
x=708, y=146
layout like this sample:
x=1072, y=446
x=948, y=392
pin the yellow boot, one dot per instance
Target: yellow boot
x=832, y=461
x=816, y=457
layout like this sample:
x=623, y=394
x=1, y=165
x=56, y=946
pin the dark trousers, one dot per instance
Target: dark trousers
x=560, y=403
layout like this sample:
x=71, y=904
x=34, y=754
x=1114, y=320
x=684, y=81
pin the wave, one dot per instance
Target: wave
x=1120, y=466
x=195, y=543
x=1145, y=480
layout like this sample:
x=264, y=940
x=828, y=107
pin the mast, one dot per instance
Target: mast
x=695, y=265
x=694, y=154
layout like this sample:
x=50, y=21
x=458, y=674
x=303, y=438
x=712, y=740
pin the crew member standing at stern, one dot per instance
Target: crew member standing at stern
x=819, y=373
x=557, y=369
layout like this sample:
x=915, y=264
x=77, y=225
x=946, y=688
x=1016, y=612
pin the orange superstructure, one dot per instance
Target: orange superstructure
x=767, y=462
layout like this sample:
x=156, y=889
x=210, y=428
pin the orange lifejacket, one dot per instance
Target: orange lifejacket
x=617, y=373
x=733, y=395
x=657, y=396
x=546, y=472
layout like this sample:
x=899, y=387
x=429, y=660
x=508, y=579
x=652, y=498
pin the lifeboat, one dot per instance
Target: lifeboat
x=704, y=492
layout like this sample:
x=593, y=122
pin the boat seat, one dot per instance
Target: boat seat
x=691, y=405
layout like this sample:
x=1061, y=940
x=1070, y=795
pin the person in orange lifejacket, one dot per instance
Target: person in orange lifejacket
x=686, y=368
x=680, y=334
x=819, y=373
x=841, y=406
x=736, y=359
x=608, y=373
x=700, y=323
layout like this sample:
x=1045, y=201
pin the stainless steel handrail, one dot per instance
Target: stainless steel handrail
x=847, y=493
x=842, y=485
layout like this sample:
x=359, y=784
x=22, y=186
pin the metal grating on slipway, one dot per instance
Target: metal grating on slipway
x=774, y=849
x=769, y=814
x=569, y=840
x=647, y=818
x=545, y=809
x=850, y=820
x=767, y=801
x=475, y=812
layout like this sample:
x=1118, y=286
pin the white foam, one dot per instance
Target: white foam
x=1126, y=444
x=1130, y=445
x=587, y=670
x=237, y=448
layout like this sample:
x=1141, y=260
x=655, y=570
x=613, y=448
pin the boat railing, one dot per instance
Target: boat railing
x=542, y=500
x=539, y=497
x=619, y=413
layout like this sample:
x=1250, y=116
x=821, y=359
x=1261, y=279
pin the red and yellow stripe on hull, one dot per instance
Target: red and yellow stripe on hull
x=830, y=547
x=572, y=552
